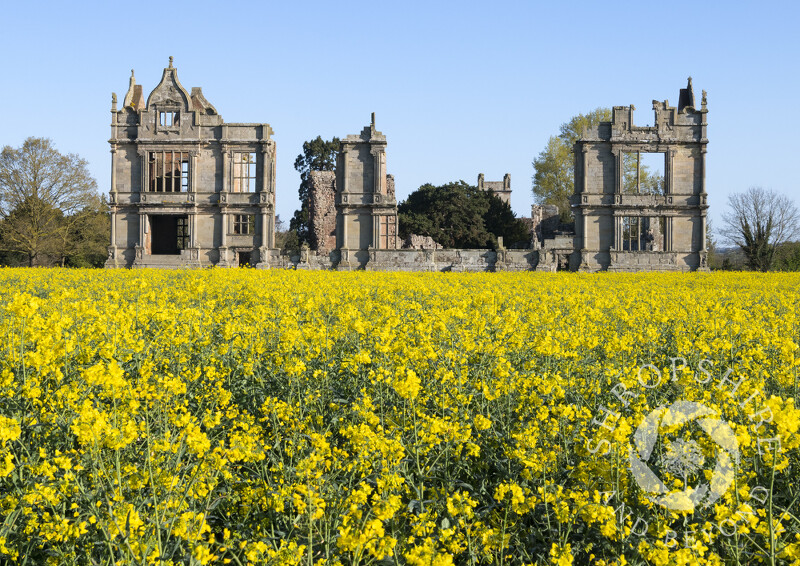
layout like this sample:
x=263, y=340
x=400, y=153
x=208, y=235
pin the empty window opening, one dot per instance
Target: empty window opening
x=244, y=259
x=643, y=173
x=169, y=234
x=244, y=224
x=168, y=119
x=643, y=233
x=244, y=172
x=169, y=171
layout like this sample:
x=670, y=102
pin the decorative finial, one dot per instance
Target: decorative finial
x=373, y=120
x=704, y=100
x=113, y=98
x=132, y=74
x=690, y=82
x=170, y=61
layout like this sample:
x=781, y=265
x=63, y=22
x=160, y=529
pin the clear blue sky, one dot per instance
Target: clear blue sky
x=459, y=88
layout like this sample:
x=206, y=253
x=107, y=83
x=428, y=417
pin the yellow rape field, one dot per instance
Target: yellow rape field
x=236, y=416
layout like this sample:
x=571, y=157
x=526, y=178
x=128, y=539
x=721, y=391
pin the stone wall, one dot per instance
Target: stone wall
x=454, y=260
x=416, y=242
x=322, y=210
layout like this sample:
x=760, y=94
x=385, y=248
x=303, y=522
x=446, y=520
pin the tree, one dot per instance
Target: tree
x=86, y=242
x=34, y=229
x=318, y=155
x=41, y=193
x=758, y=221
x=554, y=168
x=501, y=221
x=787, y=257
x=459, y=215
x=285, y=239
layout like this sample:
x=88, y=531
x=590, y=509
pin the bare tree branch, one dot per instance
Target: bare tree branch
x=758, y=221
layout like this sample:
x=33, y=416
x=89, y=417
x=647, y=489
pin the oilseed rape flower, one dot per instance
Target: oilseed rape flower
x=341, y=418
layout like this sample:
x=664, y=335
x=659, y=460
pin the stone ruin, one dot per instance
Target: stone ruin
x=628, y=218
x=501, y=188
x=188, y=190
x=639, y=204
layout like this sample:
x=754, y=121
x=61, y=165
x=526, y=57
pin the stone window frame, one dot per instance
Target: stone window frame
x=618, y=150
x=161, y=113
x=238, y=174
x=183, y=227
x=242, y=224
x=169, y=118
x=152, y=156
x=638, y=152
x=626, y=243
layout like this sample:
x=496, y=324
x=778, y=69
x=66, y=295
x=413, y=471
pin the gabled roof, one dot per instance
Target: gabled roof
x=169, y=90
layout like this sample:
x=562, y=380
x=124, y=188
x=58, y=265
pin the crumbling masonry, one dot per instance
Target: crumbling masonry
x=186, y=188
x=189, y=190
x=624, y=224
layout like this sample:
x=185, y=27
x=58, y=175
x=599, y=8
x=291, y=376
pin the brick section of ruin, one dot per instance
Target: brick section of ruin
x=322, y=210
x=390, y=186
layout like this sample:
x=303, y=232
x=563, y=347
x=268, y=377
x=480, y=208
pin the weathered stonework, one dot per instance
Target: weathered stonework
x=621, y=227
x=186, y=188
x=416, y=242
x=322, y=210
x=366, y=209
x=501, y=188
x=189, y=190
x=545, y=221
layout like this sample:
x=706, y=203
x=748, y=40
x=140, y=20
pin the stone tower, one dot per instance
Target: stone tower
x=366, y=209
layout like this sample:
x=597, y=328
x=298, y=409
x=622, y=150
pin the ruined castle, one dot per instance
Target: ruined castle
x=189, y=190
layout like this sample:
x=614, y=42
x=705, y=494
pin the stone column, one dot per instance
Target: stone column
x=224, y=214
x=585, y=229
x=617, y=153
x=193, y=155
x=703, y=230
x=114, y=229
x=668, y=172
x=344, y=229
x=668, y=237
x=345, y=182
x=143, y=221
x=638, y=171
x=144, y=172
x=266, y=168
x=226, y=169
x=584, y=176
x=703, y=170
x=269, y=242
x=379, y=169
x=114, y=198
